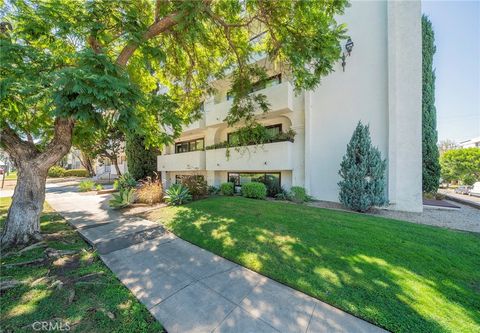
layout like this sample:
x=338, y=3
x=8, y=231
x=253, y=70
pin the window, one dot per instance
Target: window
x=270, y=82
x=178, y=178
x=271, y=179
x=232, y=138
x=274, y=130
x=192, y=145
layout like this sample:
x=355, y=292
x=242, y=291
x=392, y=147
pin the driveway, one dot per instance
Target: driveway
x=189, y=289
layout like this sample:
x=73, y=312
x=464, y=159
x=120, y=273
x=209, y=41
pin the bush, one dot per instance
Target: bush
x=99, y=187
x=86, y=185
x=227, y=188
x=56, y=171
x=283, y=195
x=124, y=198
x=150, y=191
x=254, y=190
x=125, y=181
x=212, y=190
x=177, y=194
x=196, y=186
x=273, y=186
x=76, y=173
x=362, y=171
x=298, y=194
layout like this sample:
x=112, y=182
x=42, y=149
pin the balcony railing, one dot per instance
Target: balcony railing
x=280, y=98
x=191, y=161
x=266, y=157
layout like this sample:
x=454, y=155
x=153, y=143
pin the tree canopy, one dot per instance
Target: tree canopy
x=82, y=60
x=461, y=164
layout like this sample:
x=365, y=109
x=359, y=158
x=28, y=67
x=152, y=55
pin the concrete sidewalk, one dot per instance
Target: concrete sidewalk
x=189, y=289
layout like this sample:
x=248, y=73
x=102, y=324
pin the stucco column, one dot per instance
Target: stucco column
x=298, y=171
x=210, y=178
x=405, y=105
x=307, y=140
x=165, y=180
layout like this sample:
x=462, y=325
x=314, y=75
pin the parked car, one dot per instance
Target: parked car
x=464, y=189
x=475, y=190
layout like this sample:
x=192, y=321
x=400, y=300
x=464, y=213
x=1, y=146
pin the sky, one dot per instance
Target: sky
x=457, y=65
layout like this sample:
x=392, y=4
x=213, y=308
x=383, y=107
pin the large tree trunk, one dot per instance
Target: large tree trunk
x=23, y=218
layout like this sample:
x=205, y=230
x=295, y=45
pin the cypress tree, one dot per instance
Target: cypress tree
x=362, y=171
x=142, y=162
x=430, y=154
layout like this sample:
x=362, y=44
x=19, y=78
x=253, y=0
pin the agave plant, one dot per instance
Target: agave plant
x=177, y=194
x=124, y=198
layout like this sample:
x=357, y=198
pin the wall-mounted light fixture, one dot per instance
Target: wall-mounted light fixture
x=348, y=50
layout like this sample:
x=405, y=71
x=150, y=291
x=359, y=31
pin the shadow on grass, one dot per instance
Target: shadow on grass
x=50, y=291
x=401, y=276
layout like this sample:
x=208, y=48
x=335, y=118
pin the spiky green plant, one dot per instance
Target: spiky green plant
x=177, y=194
x=122, y=199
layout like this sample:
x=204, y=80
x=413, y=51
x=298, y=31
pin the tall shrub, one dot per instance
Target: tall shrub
x=141, y=162
x=362, y=171
x=196, y=186
x=430, y=154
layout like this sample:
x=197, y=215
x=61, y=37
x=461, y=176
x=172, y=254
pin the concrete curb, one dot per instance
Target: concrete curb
x=463, y=201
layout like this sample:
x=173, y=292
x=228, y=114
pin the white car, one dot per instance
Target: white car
x=475, y=190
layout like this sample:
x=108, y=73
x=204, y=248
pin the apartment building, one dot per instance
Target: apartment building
x=104, y=168
x=472, y=143
x=380, y=84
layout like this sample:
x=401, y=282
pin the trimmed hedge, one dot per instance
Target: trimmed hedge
x=298, y=194
x=254, y=190
x=56, y=171
x=76, y=173
x=227, y=188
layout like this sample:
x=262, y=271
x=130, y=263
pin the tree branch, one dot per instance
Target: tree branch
x=154, y=30
x=158, y=27
x=60, y=144
x=94, y=44
x=16, y=147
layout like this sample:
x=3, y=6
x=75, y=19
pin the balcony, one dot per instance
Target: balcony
x=280, y=98
x=267, y=157
x=191, y=161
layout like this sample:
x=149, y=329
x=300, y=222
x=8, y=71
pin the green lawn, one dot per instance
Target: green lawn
x=97, y=304
x=401, y=276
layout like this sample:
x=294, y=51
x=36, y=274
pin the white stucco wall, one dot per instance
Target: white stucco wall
x=344, y=98
x=190, y=161
x=267, y=157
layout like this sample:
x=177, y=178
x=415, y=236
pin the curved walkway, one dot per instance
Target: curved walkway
x=189, y=289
